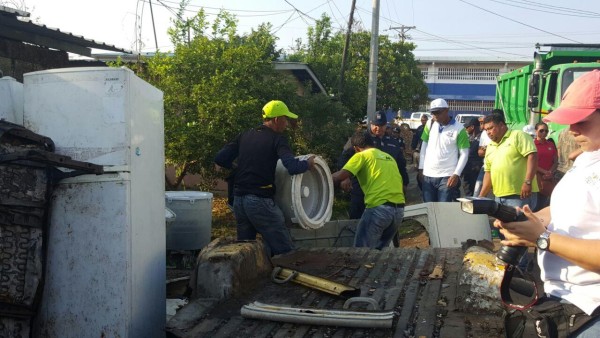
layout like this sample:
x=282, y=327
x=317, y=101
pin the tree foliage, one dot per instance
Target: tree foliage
x=399, y=81
x=215, y=84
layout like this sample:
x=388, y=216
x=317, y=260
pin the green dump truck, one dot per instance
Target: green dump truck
x=529, y=93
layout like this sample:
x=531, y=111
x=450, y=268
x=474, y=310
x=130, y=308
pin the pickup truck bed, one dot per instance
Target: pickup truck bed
x=399, y=279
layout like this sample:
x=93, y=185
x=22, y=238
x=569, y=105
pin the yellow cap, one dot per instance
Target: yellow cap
x=277, y=108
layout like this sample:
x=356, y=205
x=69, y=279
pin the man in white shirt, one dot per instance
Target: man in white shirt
x=444, y=154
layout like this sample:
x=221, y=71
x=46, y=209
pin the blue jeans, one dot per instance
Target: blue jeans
x=261, y=215
x=377, y=226
x=435, y=189
x=590, y=330
x=479, y=183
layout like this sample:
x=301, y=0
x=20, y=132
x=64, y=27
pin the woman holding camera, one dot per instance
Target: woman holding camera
x=567, y=233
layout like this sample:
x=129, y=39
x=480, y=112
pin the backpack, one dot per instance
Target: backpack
x=547, y=317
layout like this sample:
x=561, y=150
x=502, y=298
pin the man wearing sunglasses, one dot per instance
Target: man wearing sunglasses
x=444, y=154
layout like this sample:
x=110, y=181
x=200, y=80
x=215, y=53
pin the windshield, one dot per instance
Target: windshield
x=571, y=75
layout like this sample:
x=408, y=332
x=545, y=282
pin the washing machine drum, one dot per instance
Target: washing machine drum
x=305, y=199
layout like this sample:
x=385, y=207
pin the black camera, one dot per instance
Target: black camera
x=476, y=205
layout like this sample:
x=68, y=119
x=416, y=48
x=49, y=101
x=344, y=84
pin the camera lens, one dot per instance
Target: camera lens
x=511, y=254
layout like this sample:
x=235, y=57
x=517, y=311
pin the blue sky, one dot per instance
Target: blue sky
x=503, y=29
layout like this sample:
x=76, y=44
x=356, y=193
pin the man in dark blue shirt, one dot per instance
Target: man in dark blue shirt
x=416, y=145
x=257, y=151
x=475, y=162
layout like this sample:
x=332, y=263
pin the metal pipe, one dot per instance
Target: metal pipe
x=307, y=316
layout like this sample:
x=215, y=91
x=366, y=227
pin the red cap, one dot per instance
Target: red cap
x=581, y=99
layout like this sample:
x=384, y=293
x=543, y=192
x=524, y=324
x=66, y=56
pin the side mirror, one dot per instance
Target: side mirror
x=533, y=102
x=534, y=90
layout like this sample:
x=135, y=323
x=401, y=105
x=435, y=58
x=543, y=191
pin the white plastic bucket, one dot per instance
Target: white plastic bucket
x=191, y=229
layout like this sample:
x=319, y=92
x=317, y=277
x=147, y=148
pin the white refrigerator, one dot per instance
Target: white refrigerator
x=106, y=270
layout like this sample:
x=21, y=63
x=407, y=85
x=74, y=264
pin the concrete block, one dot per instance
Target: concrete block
x=225, y=268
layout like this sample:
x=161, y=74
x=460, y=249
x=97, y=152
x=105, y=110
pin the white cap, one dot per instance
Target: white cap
x=438, y=104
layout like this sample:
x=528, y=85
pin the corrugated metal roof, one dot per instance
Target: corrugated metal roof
x=15, y=26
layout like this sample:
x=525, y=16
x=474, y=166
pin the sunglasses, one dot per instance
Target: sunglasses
x=543, y=130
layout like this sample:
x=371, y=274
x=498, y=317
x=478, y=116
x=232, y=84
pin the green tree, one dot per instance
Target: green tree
x=399, y=81
x=215, y=84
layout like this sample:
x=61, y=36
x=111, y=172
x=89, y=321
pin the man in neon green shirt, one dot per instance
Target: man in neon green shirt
x=510, y=164
x=379, y=178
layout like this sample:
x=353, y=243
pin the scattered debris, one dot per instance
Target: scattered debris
x=438, y=272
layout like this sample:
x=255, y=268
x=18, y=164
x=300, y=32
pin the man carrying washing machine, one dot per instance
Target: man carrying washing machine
x=257, y=151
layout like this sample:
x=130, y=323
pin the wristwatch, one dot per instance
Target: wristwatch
x=543, y=242
x=528, y=182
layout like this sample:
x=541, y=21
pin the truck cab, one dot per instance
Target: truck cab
x=529, y=93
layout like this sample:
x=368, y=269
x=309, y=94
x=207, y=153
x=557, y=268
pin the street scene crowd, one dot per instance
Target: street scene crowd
x=558, y=194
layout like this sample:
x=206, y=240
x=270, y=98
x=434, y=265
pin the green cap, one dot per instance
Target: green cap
x=277, y=108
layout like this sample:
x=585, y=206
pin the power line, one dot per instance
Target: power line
x=299, y=11
x=277, y=11
x=197, y=8
x=403, y=30
x=466, y=44
x=556, y=12
x=519, y=22
x=458, y=43
x=289, y=19
x=470, y=48
x=558, y=8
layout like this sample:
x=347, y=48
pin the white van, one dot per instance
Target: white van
x=463, y=118
x=415, y=119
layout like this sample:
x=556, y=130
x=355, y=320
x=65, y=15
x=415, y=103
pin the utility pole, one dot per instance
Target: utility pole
x=153, y=26
x=345, y=52
x=373, y=55
x=403, y=30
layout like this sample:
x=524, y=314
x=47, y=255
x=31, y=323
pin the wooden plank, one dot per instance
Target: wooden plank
x=426, y=318
x=227, y=330
x=204, y=328
x=399, y=278
x=411, y=293
x=454, y=321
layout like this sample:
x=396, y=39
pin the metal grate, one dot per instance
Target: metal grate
x=474, y=106
x=468, y=74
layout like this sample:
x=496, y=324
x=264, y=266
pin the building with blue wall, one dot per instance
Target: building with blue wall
x=468, y=85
